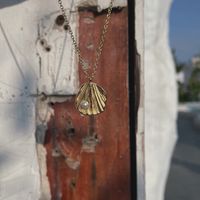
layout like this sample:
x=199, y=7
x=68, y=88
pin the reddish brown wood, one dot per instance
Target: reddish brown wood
x=104, y=171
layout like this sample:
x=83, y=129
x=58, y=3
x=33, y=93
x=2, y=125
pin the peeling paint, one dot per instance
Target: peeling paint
x=101, y=4
x=89, y=144
x=89, y=20
x=73, y=164
x=45, y=193
x=44, y=111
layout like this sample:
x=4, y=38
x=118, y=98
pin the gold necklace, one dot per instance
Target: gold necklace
x=91, y=98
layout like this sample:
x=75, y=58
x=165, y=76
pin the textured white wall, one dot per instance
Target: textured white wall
x=139, y=23
x=160, y=98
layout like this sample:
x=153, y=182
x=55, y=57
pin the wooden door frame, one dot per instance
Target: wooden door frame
x=58, y=122
x=136, y=98
x=132, y=101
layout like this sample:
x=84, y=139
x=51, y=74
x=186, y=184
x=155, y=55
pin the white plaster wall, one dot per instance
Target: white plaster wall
x=102, y=4
x=24, y=24
x=160, y=98
x=139, y=23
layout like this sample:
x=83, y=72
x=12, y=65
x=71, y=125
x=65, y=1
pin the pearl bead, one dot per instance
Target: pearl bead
x=84, y=104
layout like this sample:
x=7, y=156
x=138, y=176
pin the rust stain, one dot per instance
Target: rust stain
x=93, y=162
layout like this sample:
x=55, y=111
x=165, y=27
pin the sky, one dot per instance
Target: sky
x=185, y=28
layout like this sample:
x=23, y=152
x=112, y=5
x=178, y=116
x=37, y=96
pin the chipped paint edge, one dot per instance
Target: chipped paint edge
x=139, y=27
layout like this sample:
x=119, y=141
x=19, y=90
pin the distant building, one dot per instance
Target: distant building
x=196, y=61
x=184, y=75
x=180, y=77
x=188, y=72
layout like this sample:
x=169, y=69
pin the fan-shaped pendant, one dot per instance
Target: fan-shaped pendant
x=91, y=99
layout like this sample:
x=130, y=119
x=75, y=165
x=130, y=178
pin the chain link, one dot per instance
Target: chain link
x=100, y=44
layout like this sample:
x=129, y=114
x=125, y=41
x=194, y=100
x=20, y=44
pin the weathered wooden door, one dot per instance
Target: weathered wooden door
x=92, y=159
x=93, y=153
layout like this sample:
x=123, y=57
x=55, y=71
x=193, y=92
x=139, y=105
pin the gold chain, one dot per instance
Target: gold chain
x=100, y=45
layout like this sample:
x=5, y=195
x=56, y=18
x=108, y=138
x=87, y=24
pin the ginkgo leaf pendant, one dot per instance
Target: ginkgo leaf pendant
x=91, y=99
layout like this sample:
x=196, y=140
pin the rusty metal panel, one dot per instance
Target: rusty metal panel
x=88, y=158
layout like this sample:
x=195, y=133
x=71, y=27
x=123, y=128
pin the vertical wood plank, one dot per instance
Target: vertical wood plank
x=112, y=126
x=89, y=158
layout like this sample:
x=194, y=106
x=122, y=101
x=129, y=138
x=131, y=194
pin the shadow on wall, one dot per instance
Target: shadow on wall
x=5, y=3
x=18, y=171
